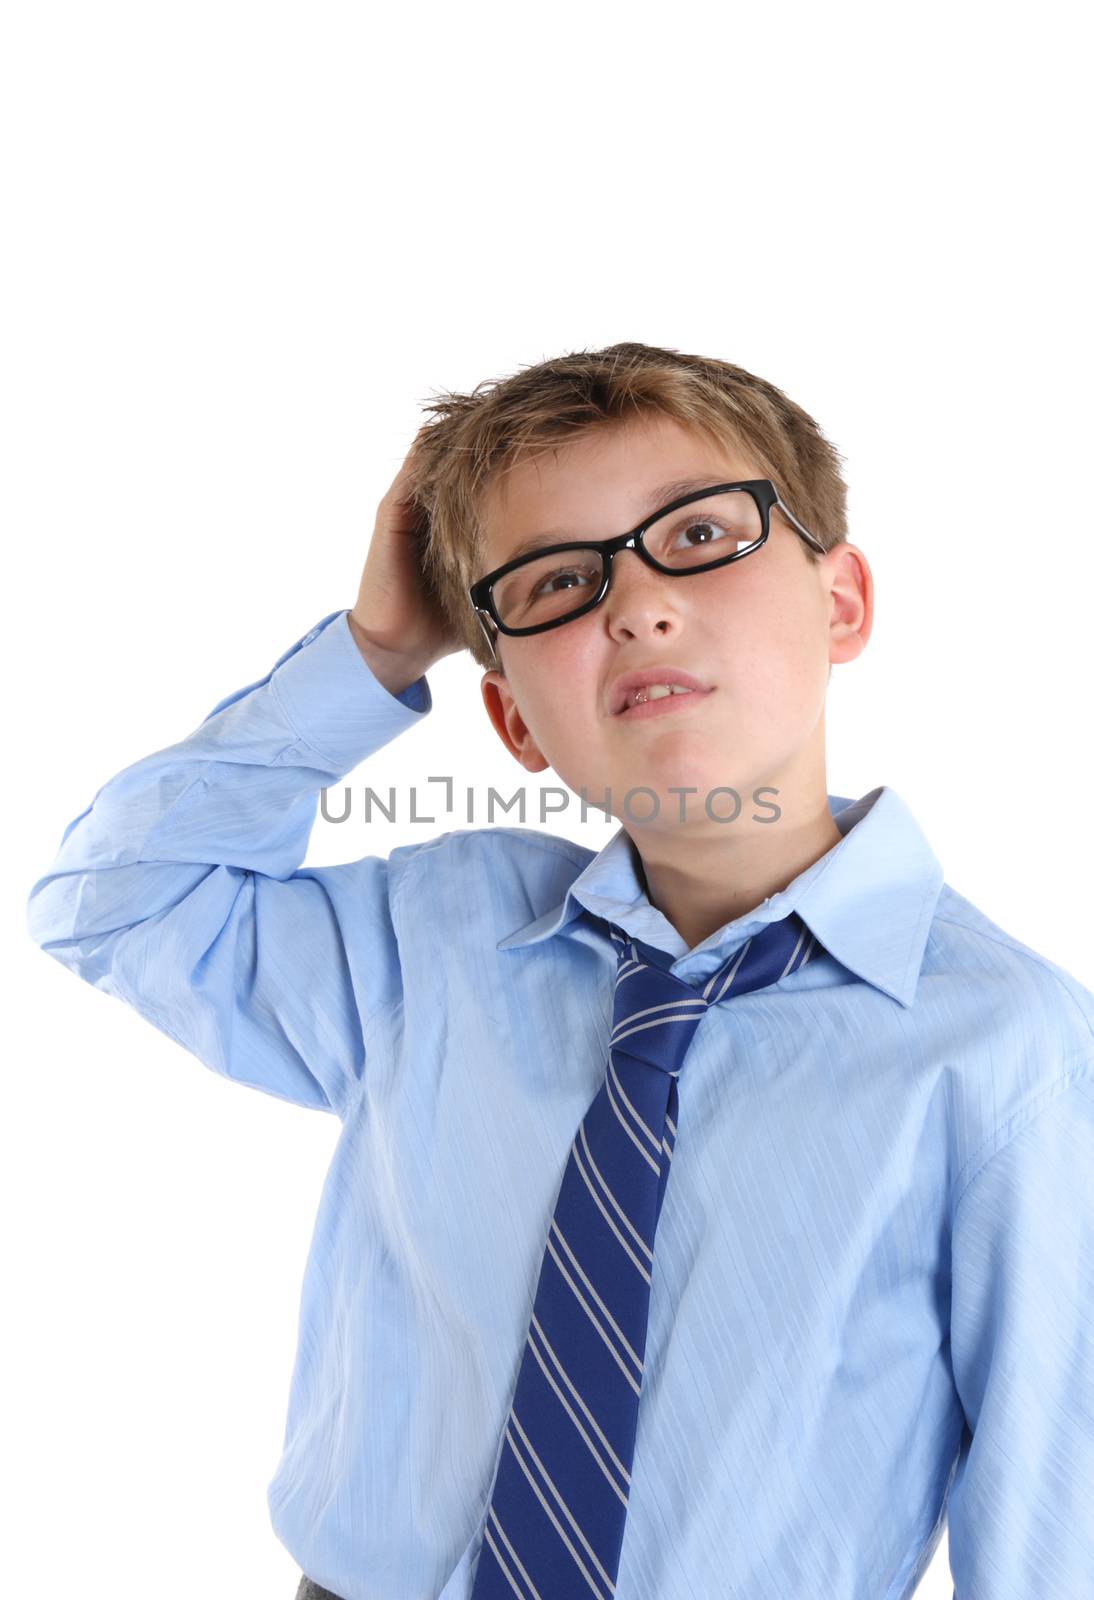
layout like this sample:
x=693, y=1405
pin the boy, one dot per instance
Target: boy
x=870, y=1306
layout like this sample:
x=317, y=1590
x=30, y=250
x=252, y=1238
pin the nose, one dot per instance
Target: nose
x=638, y=597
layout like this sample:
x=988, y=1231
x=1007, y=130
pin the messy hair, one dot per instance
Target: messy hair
x=476, y=438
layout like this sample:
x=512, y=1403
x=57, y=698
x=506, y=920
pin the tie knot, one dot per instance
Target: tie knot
x=656, y=1012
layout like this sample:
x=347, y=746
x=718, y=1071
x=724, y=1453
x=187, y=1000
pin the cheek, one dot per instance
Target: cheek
x=751, y=617
x=564, y=676
x=557, y=693
x=775, y=644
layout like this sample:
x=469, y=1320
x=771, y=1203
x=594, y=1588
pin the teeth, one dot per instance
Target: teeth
x=655, y=691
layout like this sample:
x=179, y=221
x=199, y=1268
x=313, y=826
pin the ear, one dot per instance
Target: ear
x=512, y=730
x=850, y=588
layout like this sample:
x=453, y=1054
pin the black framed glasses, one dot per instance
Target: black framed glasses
x=558, y=583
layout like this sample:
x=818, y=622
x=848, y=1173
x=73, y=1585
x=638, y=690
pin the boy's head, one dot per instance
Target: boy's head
x=576, y=448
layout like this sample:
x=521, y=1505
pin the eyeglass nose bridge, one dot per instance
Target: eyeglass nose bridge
x=636, y=541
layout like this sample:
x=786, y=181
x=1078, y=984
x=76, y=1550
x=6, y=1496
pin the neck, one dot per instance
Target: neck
x=701, y=881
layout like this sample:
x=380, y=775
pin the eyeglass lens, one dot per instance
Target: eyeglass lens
x=688, y=539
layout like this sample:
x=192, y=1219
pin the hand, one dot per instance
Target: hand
x=397, y=621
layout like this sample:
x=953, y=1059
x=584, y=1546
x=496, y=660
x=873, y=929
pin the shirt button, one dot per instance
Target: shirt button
x=308, y=637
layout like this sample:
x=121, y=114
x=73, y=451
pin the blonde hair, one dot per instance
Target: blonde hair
x=477, y=437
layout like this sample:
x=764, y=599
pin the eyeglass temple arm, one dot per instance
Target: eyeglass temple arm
x=489, y=640
x=791, y=518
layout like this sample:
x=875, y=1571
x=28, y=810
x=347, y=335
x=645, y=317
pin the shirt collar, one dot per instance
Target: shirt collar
x=869, y=899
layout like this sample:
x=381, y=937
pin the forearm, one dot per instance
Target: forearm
x=393, y=668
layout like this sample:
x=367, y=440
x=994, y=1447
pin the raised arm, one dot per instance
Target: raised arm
x=179, y=888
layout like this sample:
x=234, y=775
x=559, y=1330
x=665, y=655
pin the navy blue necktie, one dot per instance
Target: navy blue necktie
x=554, y=1528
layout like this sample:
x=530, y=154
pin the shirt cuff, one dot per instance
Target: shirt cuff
x=333, y=699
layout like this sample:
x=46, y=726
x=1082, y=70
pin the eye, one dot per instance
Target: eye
x=709, y=523
x=580, y=573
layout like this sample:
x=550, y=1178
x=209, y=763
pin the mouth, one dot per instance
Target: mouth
x=650, y=683
x=665, y=706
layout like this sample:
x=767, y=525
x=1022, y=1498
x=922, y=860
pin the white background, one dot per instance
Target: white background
x=243, y=245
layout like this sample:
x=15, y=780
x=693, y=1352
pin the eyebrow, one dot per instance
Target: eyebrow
x=655, y=501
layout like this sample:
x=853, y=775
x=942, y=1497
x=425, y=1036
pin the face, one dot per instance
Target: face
x=759, y=634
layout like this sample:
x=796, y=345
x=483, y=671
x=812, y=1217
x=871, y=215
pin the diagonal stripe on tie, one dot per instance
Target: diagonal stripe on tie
x=558, y=1506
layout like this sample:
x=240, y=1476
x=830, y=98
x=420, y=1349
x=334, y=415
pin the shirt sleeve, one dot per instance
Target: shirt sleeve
x=179, y=888
x=1021, y=1505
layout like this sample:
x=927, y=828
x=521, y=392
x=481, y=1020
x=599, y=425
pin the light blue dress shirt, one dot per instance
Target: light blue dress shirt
x=873, y=1295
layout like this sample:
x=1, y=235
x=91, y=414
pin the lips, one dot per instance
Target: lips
x=668, y=705
x=642, y=679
